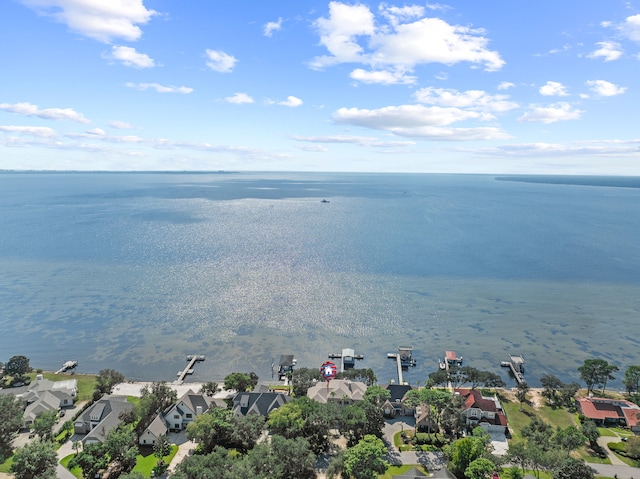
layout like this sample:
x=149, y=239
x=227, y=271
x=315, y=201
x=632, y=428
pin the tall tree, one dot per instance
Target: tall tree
x=17, y=366
x=480, y=468
x=240, y=382
x=43, y=424
x=572, y=468
x=211, y=429
x=365, y=460
x=596, y=372
x=632, y=379
x=36, y=460
x=303, y=378
x=246, y=430
x=538, y=432
x=552, y=386
x=11, y=411
x=569, y=438
x=591, y=432
x=107, y=379
x=377, y=395
x=522, y=392
x=463, y=452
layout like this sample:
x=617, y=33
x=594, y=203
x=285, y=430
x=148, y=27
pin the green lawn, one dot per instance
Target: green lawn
x=519, y=419
x=76, y=471
x=6, y=465
x=86, y=382
x=145, y=463
x=397, y=470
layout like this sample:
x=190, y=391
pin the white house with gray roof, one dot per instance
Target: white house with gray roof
x=190, y=405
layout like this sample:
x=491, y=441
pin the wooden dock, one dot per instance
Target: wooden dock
x=404, y=360
x=516, y=365
x=193, y=359
x=66, y=366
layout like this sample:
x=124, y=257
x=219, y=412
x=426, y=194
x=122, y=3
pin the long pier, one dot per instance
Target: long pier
x=193, y=359
x=516, y=365
x=404, y=360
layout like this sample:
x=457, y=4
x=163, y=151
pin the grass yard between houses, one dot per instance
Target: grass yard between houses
x=146, y=462
x=398, y=470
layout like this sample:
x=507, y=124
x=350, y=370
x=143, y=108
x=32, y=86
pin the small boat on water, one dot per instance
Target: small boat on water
x=325, y=201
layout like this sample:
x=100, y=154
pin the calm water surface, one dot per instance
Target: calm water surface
x=135, y=271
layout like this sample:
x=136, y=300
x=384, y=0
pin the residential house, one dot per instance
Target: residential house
x=483, y=411
x=102, y=417
x=152, y=433
x=258, y=402
x=396, y=404
x=339, y=391
x=614, y=412
x=190, y=405
x=44, y=395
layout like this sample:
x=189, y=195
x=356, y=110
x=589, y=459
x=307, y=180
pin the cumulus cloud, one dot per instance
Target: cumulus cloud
x=553, y=88
x=605, y=88
x=271, y=27
x=560, y=111
x=130, y=57
x=239, y=98
x=630, y=28
x=100, y=20
x=472, y=99
x=28, y=109
x=418, y=121
x=608, y=51
x=39, y=131
x=291, y=101
x=351, y=35
x=505, y=85
x=160, y=88
x=220, y=61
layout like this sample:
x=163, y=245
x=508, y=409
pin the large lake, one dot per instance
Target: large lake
x=135, y=271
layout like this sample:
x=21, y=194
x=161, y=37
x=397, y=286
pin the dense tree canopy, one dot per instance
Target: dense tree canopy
x=365, y=460
x=36, y=460
x=11, y=411
x=240, y=382
x=632, y=379
x=107, y=379
x=43, y=424
x=17, y=366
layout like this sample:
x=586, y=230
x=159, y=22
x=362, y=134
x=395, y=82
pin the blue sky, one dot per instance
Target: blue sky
x=464, y=87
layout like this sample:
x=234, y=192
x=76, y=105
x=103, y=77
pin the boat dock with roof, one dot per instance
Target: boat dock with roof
x=404, y=359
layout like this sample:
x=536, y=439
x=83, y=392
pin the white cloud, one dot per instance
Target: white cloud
x=357, y=140
x=220, y=61
x=130, y=57
x=39, y=131
x=160, y=88
x=382, y=77
x=505, y=85
x=291, y=101
x=560, y=111
x=609, y=51
x=239, y=98
x=418, y=121
x=605, y=88
x=96, y=132
x=119, y=125
x=397, y=46
x=553, y=88
x=271, y=27
x=472, y=99
x=28, y=109
x=397, y=15
x=598, y=148
x=97, y=19
x=631, y=28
